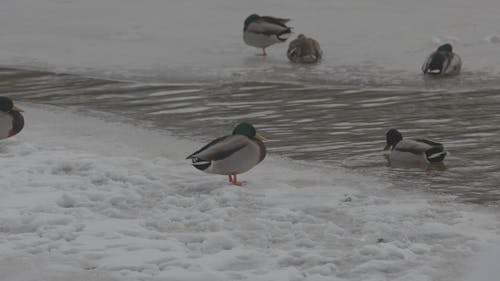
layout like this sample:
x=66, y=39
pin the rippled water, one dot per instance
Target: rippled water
x=337, y=125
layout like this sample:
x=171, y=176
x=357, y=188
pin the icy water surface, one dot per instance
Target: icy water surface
x=338, y=125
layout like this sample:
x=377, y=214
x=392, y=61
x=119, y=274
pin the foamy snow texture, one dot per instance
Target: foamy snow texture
x=86, y=198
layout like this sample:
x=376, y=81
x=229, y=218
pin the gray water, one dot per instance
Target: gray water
x=338, y=125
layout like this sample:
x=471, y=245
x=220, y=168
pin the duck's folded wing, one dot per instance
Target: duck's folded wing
x=280, y=21
x=267, y=27
x=221, y=148
x=429, y=142
x=415, y=146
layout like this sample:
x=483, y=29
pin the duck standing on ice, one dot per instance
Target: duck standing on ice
x=443, y=62
x=232, y=154
x=262, y=32
x=11, y=119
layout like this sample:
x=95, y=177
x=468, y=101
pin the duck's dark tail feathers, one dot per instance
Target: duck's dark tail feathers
x=437, y=64
x=17, y=123
x=201, y=164
x=435, y=154
x=285, y=33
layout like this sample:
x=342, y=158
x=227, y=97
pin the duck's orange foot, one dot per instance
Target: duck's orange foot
x=263, y=54
x=234, y=181
x=238, y=183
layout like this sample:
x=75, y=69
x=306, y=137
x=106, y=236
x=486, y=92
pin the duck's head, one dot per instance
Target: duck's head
x=247, y=130
x=445, y=48
x=392, y=136
x=7, y=105
x=251, y=18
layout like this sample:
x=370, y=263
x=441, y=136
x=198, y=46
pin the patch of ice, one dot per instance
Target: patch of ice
x=438, y=40
x=66, y=201
x=495, y=39
x=171, y=41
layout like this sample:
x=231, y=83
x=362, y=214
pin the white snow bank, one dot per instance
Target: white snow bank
x=484, y=267
x=97, y=199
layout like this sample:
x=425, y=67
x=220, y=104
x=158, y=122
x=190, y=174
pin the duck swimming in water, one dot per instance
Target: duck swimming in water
x=418, y=151
x=304, y=50
x=232, y=154
x=11, y=119
x=443, y=62
x=262, y=32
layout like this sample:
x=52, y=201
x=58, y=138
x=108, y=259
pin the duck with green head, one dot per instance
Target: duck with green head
x=11, y=119
x=443, y=62
x=232, y=154
x=418, y=151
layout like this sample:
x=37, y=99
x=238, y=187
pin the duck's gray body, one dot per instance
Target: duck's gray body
x=11, y=123
x=233, y=154
x=418, y=151
x=442, y=63
x=262, y=32
x=304, y=50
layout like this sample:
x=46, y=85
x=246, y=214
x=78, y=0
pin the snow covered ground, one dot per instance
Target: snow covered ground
x=86, y=196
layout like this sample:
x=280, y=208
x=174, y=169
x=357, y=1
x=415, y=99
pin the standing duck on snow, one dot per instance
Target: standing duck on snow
x=304, y=50
x=262, y=32
x=418, y=151
x=232, y=154
x=11, y=119
x=443, y=62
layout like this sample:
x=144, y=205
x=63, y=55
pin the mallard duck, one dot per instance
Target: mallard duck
x=262, y=32
x=11, y=119
x=443, y=62
x=232, y=154
x=418, y=151
x=304, y=50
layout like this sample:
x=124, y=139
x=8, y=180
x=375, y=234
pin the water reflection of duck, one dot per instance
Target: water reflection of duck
x=232, y=154
x=11, y=119
x=304, y=50
x=413, y=151
x=443, y=62
x=262, y=32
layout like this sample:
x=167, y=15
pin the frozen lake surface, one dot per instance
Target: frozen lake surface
x=365, y=41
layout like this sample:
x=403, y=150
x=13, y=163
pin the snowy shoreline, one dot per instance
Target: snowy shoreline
x=105, y=199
